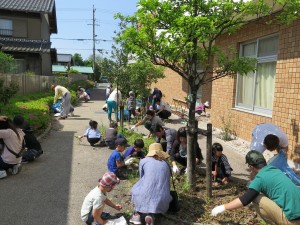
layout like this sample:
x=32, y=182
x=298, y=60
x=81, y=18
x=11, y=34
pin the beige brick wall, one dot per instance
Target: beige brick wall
x=172, y=86
x=286, y=107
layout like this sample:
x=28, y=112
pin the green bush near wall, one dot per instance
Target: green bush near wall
x=35, y=108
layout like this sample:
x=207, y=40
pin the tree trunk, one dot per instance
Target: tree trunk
x=122, y=115
x=192, y=130
x=208, y=161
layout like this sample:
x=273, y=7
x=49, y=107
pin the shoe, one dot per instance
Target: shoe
x=135, y=219
x=16, y=169
x=149, y=220
x=3, y=174
x=62, y=118
x=25, y=161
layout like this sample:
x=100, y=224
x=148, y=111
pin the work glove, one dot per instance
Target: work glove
x=218, y=210
x=129, y=161
x=175, y=169
x=132, y=128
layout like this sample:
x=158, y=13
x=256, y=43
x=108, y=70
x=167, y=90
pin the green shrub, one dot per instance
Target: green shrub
x=34, y=108
x=7, y=92
x=7, y=63
x=86, y=84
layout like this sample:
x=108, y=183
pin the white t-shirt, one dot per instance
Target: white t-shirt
x=166, y=105
x=261, y=131
x=84, y=95
x=94, y=200
x=113, y=96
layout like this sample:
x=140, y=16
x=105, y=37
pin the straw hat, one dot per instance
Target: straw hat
x=156, y=149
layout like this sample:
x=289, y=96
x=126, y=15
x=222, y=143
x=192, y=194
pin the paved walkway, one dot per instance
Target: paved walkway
x=51, y=189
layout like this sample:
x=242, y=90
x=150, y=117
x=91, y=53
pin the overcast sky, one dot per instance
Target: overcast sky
x=74, y=21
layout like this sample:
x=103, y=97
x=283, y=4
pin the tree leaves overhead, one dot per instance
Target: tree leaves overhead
x=173, y=33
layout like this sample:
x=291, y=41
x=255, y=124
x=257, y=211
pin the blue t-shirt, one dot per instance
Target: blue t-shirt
x=280, y=189
x=111, y=162
x=130, y=152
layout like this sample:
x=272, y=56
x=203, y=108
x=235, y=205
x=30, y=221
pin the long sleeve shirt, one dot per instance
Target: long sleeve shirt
x=12, y=141
x=59, y=91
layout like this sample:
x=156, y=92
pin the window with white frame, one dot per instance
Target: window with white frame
x=255, y=91
x=6, y=27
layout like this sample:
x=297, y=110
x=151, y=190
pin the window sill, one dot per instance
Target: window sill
x=252, y=112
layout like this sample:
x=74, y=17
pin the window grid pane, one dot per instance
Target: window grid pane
x=255, y=91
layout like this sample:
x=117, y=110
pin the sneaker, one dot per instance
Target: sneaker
x=135, y=219
x=149, y=220
x=3, y=174
x=16, y=169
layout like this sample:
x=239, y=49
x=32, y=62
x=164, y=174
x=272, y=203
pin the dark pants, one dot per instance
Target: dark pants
x=31, y=154
x=148, y=125
x=93, y=141
x=5, y=166
x=131, y=112
x=179, y=159
x=165, y=114
x=111, y=143
x=221, y=171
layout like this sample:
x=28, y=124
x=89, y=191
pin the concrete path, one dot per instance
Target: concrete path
x=51, y=189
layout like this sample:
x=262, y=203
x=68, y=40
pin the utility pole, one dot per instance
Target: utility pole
x=94, y=40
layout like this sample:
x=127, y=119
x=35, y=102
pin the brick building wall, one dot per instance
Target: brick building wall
x=172, y=86
x=286, y=105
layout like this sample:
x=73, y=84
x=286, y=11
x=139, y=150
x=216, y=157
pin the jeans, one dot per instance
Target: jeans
x=111, y=105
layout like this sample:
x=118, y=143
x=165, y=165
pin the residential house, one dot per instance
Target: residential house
x=25, y=29
x=271, y=93
x=65, y=60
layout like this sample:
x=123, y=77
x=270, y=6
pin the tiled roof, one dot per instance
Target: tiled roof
x=37, y=6
x=25, y=45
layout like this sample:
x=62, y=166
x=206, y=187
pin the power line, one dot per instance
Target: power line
x=82, y=39
x=88, y=49
x=87, y=9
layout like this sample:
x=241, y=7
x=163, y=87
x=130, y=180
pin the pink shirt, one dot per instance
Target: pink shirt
x=14, y=143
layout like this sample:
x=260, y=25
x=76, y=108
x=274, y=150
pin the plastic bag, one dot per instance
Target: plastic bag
x=279, y=161
x=119, y=221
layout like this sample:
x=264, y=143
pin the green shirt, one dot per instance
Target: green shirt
x=279, y=188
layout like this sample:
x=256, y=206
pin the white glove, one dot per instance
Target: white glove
x=132, y=128
x=218, y=210
x=175, y=169
x=129, y=161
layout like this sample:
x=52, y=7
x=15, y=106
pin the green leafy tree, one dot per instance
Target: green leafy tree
x=78, y=61
x=142, y=75
x=97, y=69
x=181, y=35
x=7, y=63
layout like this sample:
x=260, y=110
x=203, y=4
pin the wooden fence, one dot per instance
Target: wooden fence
x=36, y=83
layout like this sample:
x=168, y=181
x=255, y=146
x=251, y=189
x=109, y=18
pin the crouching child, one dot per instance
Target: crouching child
x=94, y=202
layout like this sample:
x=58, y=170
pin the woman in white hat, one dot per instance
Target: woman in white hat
x=151, y=194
